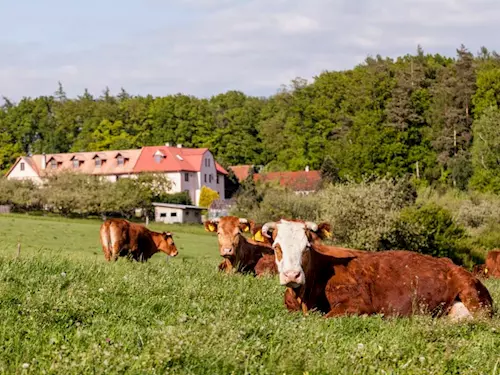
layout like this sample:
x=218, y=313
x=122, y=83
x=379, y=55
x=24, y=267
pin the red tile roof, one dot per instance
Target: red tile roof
x=241, y=171
x=297, y=181
x=175, y=159
x=139, y=160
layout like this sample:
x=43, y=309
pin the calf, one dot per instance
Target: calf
x=339, y=281
x=241, y=254
x=122, y=238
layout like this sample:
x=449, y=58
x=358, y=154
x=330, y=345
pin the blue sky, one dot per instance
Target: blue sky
x=204, y=47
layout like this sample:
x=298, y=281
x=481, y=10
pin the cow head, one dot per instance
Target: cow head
x=290, y=240
x=229, y=231
x=167, y=244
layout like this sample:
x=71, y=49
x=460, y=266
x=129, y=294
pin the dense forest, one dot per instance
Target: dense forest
x=433, y=117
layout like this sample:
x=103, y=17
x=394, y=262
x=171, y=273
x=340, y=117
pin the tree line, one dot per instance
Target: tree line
x=426, y=115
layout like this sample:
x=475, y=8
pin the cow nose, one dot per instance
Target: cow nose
x=175, y=253
x=227, y=251
x=292, y=275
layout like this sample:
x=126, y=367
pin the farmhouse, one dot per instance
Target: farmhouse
x=188, y=168
x=177, y=213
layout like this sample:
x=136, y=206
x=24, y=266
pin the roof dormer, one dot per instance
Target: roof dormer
x=76, y=161
x=121, y=159
x=159, y=156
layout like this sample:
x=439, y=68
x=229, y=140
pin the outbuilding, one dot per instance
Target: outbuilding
x=170, y=213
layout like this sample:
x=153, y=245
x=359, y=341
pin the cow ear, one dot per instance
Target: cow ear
x=257, y=236
x=324, y=231
x=210, y=226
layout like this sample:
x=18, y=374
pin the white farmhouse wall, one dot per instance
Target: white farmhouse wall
x=208, y=169
x=192, y=185
x=27, y=174
x=175, y=178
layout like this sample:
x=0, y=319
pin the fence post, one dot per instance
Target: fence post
x=18, y=249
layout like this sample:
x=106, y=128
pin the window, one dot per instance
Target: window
x=217, y=179
x=210, y=177
x=207, y=162
x=158, y=158
x=205, y=178
x=186, y=177
x=97, y=162
x=53, y=164
x=119, y=160
x=163, y=214
x=173, y=214
x=187, y=213
x=22, y=166
x=76, y=163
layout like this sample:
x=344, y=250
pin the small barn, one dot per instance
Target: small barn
x=170, y=213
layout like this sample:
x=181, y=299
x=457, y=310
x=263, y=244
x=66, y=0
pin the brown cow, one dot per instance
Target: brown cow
x=339, y=281
x=122, y=238
x=239, y=253
x=493, y=264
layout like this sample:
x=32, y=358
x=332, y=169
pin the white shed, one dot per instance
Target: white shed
x=170, y=213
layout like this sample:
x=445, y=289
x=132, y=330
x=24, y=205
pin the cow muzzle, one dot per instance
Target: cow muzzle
x=292, y=278
x=227, y=252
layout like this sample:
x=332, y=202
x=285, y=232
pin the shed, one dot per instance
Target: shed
x=170, y=213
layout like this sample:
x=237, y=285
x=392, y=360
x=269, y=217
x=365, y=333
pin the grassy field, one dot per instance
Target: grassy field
x=64, y=310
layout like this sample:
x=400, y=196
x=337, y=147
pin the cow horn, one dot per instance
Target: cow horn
x=266, y=227
x=243, y=221
x=311, y=226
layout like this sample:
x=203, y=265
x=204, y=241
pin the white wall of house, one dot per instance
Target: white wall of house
x=23, y=171
x=191, y=185
x=208, y=176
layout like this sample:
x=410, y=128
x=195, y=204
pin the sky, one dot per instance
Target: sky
x=206, y=47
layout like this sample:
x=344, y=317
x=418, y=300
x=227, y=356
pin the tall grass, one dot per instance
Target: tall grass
x=64, y=313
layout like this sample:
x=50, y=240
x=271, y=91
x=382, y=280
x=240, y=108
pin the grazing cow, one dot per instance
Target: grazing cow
x=339, y=281
x=493, y=264
x=122, y=238
x=241, y=254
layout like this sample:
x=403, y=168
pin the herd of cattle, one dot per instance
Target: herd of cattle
x=333, y=280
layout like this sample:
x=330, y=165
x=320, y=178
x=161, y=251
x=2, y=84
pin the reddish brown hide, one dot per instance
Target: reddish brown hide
x=493, y=264
x=341, y=281
x=389, y=282
x=122, y=238
x=241, y=254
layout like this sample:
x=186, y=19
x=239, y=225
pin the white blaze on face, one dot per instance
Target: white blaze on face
x=292, y=239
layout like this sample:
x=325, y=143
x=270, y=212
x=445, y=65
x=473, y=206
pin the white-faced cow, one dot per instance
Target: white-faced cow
x=339, y=281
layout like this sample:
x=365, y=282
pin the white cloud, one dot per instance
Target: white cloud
x=252, y=45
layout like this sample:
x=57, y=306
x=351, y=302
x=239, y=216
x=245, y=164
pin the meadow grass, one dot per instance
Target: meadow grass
x=64, y=310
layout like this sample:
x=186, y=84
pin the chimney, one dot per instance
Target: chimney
x=307, y=168
x=44, y=161
x=179, y=146
x=167, y=144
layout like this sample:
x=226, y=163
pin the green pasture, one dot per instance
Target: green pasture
x=64, y=310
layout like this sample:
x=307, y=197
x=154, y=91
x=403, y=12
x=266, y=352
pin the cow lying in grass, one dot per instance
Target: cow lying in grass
x=491, y=268
x=241, y=254
x=122, y=238
x=339, y=281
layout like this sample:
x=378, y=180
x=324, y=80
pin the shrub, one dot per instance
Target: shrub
x=361, y=214
x=207, y=196
x=21, y=194
x=428, y=229
x=175, y=198
x=280, y=203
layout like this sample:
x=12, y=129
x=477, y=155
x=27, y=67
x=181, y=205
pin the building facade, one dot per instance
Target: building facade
x=187, y=168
